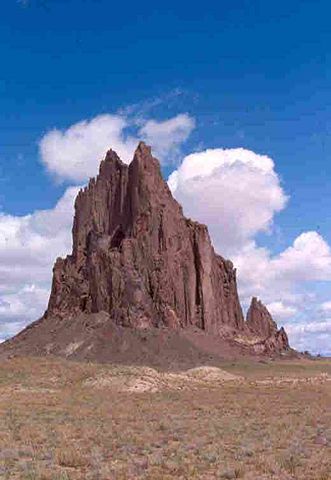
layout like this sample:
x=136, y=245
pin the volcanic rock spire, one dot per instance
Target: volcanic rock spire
x=262, y=325
x=259, y=320
x=138, y=258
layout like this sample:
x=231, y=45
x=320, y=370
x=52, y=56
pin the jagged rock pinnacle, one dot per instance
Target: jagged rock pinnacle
x=138, y=258
x=261, y=323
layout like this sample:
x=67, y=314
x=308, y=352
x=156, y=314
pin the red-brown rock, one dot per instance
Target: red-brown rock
x=259, y=320
x=138, y=262
x=138, y=258
x=261, y=324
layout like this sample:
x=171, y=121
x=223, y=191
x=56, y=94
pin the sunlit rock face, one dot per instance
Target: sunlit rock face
x=261, y=324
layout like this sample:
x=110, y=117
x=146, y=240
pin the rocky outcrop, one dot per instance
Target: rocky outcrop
x=261, y=324
x=259, y=320
x=138, y=262
x=136, y=257
x=278, y=342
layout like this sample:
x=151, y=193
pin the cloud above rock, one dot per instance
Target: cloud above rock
x=167, y=136
x=236, y=192
x=74, y=154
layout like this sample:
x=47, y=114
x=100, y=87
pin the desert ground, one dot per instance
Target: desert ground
x=65, y=420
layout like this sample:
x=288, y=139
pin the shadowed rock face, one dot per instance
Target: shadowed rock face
x=138, y=258
x=138, y=262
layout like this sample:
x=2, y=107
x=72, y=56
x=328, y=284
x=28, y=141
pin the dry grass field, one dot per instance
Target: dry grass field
x=62, y=420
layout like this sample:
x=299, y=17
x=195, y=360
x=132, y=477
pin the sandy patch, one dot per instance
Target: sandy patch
x=150, y=380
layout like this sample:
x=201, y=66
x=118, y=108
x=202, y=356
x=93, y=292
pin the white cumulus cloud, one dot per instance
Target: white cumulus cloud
x=280, y=311
x=28, y=248
x=312, y=336
x=166, y=136
x=74, y=154
x=236, y=192
x=277, y=278
x=309, y=258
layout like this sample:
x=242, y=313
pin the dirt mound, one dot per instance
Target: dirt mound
x=97, y=338
x=210, y=374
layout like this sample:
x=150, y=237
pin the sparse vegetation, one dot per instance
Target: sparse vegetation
x=58, y=422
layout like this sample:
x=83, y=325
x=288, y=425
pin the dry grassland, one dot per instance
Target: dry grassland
x=61, y=420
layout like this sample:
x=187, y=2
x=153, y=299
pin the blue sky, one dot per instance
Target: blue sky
x=250, y=74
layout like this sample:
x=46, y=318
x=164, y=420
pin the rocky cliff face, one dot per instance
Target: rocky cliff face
x=261, y=324
x=138, y=258
x=138, y=262
x=259, y=320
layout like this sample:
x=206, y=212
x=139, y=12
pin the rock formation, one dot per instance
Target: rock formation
x=261, y=324
x=138, y=260
x=259, y=320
